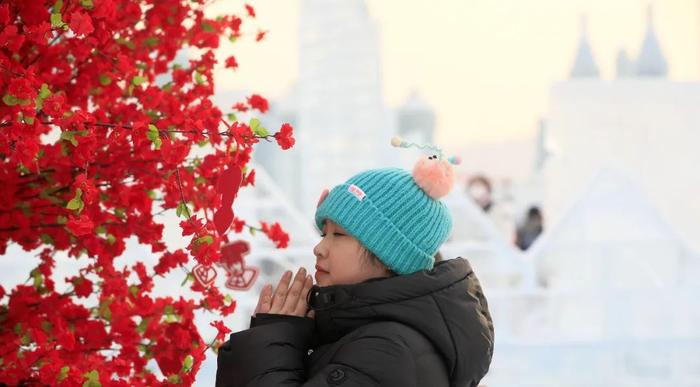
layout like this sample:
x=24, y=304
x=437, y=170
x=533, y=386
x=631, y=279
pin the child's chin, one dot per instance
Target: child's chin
x=322, y=278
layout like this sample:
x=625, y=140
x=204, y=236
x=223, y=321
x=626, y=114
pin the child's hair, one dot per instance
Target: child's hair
x=369, y=258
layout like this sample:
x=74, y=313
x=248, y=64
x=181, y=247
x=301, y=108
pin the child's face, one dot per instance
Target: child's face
x=339, y=260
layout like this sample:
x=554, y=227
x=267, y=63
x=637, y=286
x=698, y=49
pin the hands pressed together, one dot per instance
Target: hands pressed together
x=286, y=299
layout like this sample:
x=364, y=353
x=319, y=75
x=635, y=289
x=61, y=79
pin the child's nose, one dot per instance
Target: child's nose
x=319, y=250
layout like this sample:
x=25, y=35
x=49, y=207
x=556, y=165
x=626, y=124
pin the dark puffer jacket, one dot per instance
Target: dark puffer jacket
x=432, y=328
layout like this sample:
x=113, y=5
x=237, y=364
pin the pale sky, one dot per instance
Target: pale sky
x=484, y=65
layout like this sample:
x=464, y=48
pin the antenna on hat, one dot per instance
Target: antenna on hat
x=398, y=142
x=434, y=175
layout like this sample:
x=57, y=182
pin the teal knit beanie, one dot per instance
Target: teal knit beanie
x=391, y=215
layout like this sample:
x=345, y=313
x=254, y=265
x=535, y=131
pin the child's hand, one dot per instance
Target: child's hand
x=286, y=300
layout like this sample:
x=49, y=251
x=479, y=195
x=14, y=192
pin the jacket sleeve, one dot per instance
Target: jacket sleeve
x=273, y=354
x=275, y=345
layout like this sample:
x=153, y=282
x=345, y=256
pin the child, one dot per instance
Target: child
x=381, y=313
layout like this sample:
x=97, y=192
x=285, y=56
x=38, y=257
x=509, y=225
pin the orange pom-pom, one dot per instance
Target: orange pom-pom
x=435, y=177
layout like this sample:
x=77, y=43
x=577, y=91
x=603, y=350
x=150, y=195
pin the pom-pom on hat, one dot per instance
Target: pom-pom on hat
x=394, y=213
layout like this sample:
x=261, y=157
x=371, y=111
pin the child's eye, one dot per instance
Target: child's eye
x=334, y=234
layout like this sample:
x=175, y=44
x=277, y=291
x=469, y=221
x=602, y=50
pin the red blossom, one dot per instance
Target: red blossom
x=276, y=234
x=249, y=179
x=54, y=105
x=284, y=136
x=191, y=226
x=80, y=226
x=220, y=329
x=82, y=286
x=81, y=23
x=257, y=102
x=260, y=36
x=169, y=261
x=240, y=106
x=238, y=225
x=231, y=62
x=250, y=10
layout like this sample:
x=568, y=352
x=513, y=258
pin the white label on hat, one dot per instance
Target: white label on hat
x=357, y=191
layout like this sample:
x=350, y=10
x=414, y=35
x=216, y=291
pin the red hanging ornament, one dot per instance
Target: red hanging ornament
x=205, y=275
x=228, y=184
x=239, y=276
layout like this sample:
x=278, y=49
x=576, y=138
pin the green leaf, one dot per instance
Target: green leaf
x=206, y=27
x=104, y=310
x=141, y=328
x=87, y=4
x=111, y=239
x=138, y=80
x=257, y=128
x=251, y=230
x=182, y=210
x=228, y=299
x=128, y=43
x=154, y=135
x=199, y=78
x=38, y=278
x=28, y=120
x=44, y=93
x=134, y=290
x=231, y=117
x=93, y=379
x=76, y=203
x=10, y=100
x=120, y=213
x=69, y=136
x=62, y=374
x=208, y=239
x=46, y=326
x=46, y=239
x=151, y=41
x=56, y=20
x=174, y=379
x=61, y=219
x=57, y=6
x=189, y=278
x=187, y=363
x=100, y=229
x=105, y=80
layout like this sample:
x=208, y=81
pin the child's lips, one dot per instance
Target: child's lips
x=319, y=273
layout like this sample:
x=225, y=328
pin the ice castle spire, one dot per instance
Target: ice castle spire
x=651, y=61
x=584, y=64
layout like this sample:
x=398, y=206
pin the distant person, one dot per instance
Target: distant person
x=480, y=189
x=496, y=204
x=530, y=229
